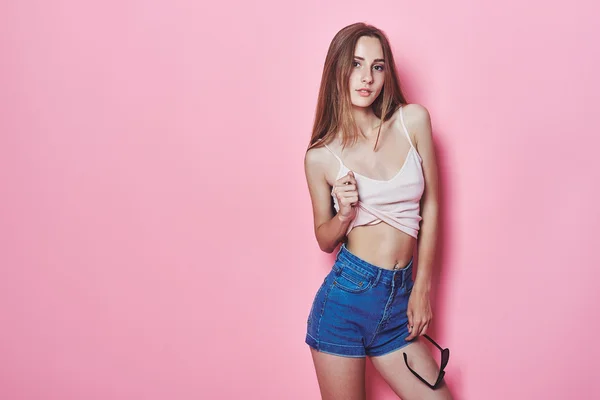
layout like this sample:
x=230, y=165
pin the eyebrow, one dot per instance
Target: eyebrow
x=376, y=60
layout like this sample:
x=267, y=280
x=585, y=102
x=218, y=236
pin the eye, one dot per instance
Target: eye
x=355, y=63
x=379, y=67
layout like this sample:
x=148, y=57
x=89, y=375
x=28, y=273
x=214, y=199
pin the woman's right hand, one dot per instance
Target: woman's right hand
x=346, y=192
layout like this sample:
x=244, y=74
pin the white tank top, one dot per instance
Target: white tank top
x=395, y=201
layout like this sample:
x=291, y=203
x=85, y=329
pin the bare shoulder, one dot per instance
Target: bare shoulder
x=316, y=158
x=317, y=161
x=413, y=110
x=418, y=122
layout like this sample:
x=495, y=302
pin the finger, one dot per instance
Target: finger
x=424, y=329
x=418, y=328
x=412, y=334
x=349, y=177
x=351, y=200
x=352, y=177
x=350, y=197
x=343, y=191
x=345, y=179
x=346, y=194
x=347, y=188
x=410, y=326
x=416, y=331
x=351, y=191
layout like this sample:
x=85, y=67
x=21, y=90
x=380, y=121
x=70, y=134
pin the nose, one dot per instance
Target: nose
x=367, y=77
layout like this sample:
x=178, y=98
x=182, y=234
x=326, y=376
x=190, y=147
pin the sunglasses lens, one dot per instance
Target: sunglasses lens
x=445, y=358
x=439, y=379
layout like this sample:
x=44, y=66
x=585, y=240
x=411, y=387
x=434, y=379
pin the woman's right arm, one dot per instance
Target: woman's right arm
x=329, y=229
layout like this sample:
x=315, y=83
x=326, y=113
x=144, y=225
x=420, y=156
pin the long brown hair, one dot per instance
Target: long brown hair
x=334, y=105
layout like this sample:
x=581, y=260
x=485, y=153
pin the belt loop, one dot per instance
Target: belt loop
x=337, y=269
x=337, y=255
x=377, y=277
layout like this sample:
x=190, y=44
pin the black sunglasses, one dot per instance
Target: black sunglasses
x=443, y=363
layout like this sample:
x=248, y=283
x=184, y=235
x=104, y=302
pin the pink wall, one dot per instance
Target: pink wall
x=156, y=235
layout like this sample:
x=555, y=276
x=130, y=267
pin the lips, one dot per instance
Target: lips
x=364, y=92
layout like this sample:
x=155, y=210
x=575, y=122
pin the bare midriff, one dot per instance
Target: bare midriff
x=381, y=245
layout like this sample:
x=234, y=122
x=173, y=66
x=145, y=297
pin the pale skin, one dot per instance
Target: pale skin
x=380, y=244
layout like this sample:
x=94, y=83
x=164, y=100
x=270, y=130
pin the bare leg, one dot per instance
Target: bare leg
x=392, y=368
x=340, y=378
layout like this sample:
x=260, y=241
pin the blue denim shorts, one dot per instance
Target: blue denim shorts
x=360, y=309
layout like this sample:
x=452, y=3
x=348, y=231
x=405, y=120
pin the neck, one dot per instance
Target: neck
x=366, y=121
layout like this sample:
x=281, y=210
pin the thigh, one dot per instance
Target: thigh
x=392, y=368
x=340, y=377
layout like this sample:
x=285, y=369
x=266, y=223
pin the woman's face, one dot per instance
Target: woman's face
x=366, y=79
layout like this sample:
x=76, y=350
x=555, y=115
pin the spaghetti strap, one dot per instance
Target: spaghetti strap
x=336, y=156
x=404, y=126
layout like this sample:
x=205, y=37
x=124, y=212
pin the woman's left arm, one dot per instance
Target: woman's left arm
x=419, y=308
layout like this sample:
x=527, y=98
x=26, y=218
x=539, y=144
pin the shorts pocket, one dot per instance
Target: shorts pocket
x=351, y=280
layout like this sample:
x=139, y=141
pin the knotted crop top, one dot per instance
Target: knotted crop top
x=395, y=201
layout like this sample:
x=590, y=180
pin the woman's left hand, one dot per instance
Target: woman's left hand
x=419, y=314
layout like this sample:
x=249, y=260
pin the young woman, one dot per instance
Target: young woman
x=372, y=156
